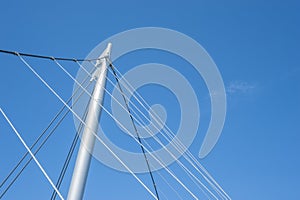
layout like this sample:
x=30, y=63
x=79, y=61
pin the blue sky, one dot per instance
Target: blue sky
x=254, y=44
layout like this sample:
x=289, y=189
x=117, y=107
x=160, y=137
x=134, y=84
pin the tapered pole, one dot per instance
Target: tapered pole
x=83, y=160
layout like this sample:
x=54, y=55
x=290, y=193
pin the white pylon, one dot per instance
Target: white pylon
x=83, y=160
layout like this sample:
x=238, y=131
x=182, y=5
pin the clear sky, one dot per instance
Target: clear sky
x=255, y=45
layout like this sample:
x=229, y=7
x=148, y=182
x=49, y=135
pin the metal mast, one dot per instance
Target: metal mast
x=83, y=160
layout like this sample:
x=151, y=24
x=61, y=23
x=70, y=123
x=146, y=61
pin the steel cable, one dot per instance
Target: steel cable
x=42, y=144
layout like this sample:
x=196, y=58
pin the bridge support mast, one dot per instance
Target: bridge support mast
x=84, y=156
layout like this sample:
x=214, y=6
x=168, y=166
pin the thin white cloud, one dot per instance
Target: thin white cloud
x=239, y=87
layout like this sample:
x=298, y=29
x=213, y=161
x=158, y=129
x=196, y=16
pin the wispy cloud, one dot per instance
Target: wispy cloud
x=239, y=87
